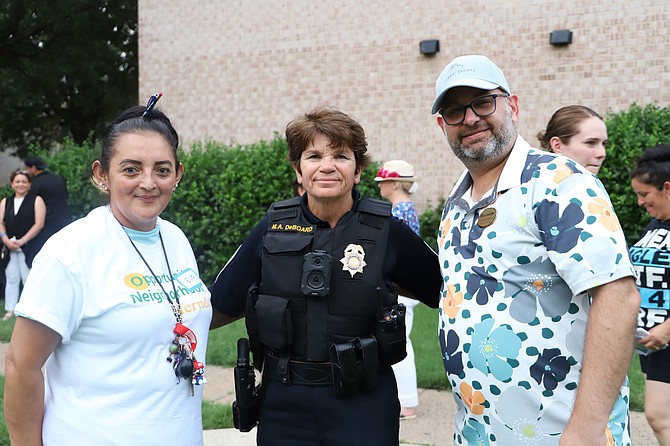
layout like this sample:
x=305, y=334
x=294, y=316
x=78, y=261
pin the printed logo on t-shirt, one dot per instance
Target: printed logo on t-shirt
x=145, y=288
x=652, y=262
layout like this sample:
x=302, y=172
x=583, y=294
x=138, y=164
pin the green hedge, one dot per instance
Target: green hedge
x=224, y=193
x=630, y=132
x=226, y=189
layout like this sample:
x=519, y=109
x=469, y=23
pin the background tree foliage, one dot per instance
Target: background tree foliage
x=66, y=69
x=629, y=133
x=224, y=193
x=227, y=189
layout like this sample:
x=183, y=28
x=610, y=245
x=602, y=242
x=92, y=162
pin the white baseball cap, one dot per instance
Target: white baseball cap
x=469, y=71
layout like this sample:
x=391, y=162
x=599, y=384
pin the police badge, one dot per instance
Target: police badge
x=354, y=259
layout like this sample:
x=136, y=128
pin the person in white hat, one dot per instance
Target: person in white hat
x=396, y=184
x=539, y=305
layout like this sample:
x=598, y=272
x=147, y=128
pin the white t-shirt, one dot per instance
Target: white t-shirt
x=109, y=382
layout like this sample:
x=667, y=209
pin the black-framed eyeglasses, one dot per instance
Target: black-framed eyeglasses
x=482, y=107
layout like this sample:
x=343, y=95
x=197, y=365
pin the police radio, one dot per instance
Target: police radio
x=316, y=273
x=390, y=332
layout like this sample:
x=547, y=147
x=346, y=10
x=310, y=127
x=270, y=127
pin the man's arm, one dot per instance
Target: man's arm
x=607, y=353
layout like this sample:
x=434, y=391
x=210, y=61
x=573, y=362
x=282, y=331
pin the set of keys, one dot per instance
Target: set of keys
x=183, y=360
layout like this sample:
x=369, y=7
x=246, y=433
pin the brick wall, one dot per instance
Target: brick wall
x=237, y=71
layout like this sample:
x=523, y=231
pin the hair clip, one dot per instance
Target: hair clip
x=151, y=104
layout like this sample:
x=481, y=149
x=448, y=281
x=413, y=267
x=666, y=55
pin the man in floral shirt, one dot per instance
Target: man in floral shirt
x=539, y=304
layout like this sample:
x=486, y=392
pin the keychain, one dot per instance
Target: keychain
x=183, y=360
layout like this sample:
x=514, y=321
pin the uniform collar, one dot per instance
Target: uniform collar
x=317, y=221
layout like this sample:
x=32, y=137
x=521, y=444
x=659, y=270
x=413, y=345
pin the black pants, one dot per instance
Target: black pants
x=295, y=415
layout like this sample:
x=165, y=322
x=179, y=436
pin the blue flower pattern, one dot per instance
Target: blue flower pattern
x=518, y=336
x=481, y=285
x=491, y=349
x=550, y=368
x=452, y=359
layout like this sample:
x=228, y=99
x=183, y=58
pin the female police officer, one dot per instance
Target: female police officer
x=318, y=278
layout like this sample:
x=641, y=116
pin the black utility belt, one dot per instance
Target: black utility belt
x=352, y=369
x=302, y=373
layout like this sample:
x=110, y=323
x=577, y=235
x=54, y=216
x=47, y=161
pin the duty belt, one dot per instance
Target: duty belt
x=302, y=373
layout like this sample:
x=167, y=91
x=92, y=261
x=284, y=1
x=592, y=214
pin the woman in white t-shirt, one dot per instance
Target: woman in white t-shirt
x=114, y=310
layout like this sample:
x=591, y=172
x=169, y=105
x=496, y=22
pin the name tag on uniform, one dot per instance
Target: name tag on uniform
x=656, y=299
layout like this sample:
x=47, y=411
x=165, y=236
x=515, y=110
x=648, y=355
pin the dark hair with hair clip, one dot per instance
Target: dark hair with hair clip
x=138, y=119
x=653, y=166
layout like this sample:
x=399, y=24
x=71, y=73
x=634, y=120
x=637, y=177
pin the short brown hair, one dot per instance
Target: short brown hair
x=342, y=130
x=564, y=124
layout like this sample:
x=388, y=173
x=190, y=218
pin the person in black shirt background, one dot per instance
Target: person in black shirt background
x=51, y=188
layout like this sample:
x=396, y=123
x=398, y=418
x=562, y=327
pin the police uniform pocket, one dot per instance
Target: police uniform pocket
x=274, y=321
x=282, y=258
x=286, y=242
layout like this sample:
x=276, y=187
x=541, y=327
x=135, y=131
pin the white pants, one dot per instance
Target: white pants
x=405, y=370
x=15, y=274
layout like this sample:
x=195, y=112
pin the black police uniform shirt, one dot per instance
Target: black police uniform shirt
x=409, y=263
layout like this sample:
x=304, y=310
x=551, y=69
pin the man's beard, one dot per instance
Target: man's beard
x=496, y=148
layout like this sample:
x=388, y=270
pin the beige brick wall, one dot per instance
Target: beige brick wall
x=237, y=71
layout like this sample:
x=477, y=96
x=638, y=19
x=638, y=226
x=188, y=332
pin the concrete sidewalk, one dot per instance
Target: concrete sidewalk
x=433, y=426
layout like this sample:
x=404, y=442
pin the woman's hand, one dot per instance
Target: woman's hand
x=13, y=244
x=658, y=337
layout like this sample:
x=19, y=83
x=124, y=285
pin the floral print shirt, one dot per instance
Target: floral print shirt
x=517, y=267
x=406, y=212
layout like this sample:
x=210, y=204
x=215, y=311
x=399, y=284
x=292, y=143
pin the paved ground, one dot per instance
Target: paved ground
x=432, y=427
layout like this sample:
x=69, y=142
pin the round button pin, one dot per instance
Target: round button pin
x=486, y=218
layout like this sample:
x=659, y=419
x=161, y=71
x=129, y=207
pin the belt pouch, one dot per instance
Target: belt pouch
x=275, y=328
x=355, y=365
x=370, y=362
x=343, y=363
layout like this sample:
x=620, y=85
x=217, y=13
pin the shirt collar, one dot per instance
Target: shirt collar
x=313, y=219
x=509, y=177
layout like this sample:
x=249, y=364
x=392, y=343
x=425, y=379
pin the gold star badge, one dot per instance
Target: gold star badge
x=354, y=259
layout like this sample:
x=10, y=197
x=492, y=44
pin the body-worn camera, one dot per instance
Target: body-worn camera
x=316, y=273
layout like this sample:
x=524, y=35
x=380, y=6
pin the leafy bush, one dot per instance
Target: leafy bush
x=224, y=193
x=430, y=222
x=630, y=132
x=227, y=189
